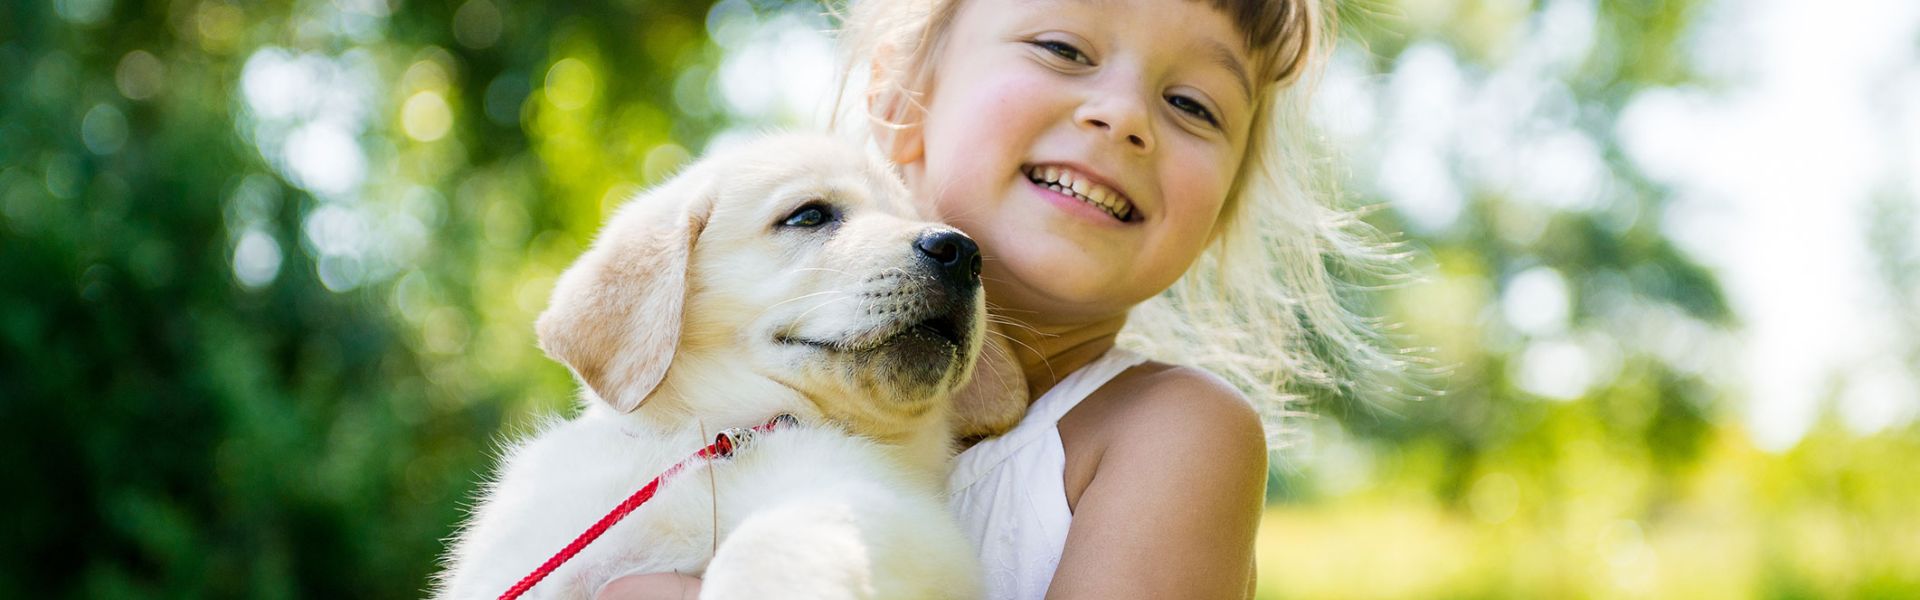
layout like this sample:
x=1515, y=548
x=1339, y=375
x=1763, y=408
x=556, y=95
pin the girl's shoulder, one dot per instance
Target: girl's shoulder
x=1165, y=423
x=1160, y=403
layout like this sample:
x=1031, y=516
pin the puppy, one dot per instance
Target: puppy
x=785, y=276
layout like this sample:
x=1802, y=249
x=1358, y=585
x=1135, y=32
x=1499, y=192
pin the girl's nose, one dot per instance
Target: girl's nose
x=1120, y=118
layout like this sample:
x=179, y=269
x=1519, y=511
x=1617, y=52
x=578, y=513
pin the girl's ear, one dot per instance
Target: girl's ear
x=901, y=141
x=894, y=114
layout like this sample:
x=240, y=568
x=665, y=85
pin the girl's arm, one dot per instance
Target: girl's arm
x=1171, y=468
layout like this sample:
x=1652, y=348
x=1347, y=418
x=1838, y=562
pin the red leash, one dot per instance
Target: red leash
x=723, y=446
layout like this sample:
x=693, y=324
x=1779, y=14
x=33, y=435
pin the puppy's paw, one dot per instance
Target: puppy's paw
x=837, y=550
x=801, y=552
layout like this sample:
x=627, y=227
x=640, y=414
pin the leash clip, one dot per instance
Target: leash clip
x=733, y=439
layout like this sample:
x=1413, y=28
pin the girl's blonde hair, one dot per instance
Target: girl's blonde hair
x=1266, y=306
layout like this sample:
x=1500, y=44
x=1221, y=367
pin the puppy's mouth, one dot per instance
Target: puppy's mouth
x=940, y=329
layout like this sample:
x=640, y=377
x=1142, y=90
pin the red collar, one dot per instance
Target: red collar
x=729, y=441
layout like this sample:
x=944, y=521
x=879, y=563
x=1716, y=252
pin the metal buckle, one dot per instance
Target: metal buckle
x=731, y=440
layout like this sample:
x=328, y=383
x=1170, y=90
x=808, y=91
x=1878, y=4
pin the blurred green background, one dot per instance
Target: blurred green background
x=268, y=272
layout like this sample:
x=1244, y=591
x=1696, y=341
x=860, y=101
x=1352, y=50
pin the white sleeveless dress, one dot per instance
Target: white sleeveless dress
x=1009, y=492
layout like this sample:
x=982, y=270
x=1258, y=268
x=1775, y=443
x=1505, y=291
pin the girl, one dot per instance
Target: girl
x=1101, y=152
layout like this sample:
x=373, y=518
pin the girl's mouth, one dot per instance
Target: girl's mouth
x=1076, y=185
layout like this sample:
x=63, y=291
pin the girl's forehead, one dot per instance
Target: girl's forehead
x=1166, y=13
x=1253, y=19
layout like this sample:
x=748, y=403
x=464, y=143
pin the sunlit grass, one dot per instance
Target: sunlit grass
x=1832, y=518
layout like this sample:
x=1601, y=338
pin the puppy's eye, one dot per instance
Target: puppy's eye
x=810, y=216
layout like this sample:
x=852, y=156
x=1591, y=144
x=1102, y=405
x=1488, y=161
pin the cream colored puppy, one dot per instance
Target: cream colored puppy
x=785, y=276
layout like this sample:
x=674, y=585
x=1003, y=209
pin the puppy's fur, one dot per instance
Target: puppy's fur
x=701, y=306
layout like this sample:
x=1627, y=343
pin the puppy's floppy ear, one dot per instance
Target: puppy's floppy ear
x=615, y=315
x=993, y=400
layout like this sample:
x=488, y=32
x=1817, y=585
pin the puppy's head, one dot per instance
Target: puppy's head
x=793, y=259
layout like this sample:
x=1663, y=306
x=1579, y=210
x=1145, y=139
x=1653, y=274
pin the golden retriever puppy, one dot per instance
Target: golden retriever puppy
x=788, y=275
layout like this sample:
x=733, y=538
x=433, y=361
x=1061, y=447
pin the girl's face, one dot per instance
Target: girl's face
x=1087, y=145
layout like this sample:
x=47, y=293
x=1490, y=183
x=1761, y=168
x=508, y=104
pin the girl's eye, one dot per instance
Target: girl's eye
x=809, y=216
x=1064, y=50
x=1193, y=107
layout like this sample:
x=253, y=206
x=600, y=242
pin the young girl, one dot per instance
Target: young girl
x=1123, y=164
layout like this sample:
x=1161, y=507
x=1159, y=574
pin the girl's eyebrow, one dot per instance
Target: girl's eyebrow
x=1221, y=55
x=1225, y=58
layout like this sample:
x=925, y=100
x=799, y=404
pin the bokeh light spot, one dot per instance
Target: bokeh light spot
x=412, y=296
x=140, y=75
x=476, y=24
x=663, y=160
x=61, y=175
x=219, y=25
x=276, y=84
x=336, y=230
x=505, y=95
x=256, y=259
x=54, y=76
x=104, y=129
x=446, y=330
x=1554, y=369
x=324, y=158
x=426, y=116
x=83, y=12
x=570, y=84
x=427, y=74
x=1536, y=301
x=341, y=273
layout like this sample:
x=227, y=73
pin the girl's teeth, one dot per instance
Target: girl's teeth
x=1062, y=180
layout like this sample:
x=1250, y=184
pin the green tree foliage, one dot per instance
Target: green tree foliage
x=229, y=371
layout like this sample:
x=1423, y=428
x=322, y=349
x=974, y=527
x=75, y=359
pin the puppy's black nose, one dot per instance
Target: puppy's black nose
x=953, y=254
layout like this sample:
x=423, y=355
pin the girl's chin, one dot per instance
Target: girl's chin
x=1059, y=290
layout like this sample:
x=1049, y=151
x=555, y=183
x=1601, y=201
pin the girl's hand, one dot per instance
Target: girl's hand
x=651, y=586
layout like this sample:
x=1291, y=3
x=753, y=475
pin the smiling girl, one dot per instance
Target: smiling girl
x=1134, y=173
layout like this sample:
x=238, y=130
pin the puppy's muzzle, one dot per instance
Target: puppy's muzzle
x=953, y=260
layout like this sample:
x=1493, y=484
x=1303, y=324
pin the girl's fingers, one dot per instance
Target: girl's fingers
x=651, y=586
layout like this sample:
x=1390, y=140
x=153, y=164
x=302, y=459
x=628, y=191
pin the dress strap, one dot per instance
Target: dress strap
x=1042, y=416
x=1062, y=397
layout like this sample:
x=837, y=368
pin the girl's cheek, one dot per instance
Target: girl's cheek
x=1001, y=106
x=978, y=135
x=1202, y=186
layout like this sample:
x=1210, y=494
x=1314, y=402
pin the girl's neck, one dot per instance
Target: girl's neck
x=1047, y=353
